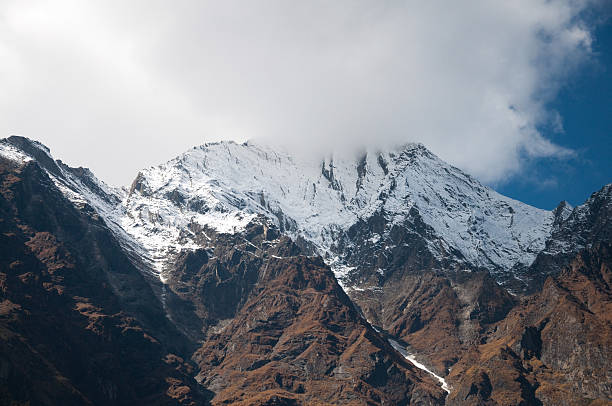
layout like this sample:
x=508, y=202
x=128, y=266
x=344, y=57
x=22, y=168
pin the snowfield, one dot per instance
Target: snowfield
x=225, y=185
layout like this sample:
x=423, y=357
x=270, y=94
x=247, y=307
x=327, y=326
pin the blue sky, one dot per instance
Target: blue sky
x=585, y=103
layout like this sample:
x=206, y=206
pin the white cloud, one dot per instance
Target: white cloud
x=120, y=85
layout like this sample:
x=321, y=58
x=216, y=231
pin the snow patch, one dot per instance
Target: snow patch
x=12, y=153
x=402, y=350
x=224, y=186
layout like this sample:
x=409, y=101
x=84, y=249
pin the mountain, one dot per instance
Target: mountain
x=553, y=348
x=347, y=208
x=269, y=278
x=574, y=231
x=75, y=315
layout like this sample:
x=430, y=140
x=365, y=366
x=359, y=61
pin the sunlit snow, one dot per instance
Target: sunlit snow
x=224, y=186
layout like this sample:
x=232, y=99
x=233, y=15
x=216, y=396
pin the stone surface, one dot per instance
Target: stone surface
x=78, y=322
x=112, y=296
x=554, y=348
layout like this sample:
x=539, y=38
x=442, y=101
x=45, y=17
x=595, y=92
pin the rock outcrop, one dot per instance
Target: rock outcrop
x=235, y=274
x=79, y=324
x=554, y=348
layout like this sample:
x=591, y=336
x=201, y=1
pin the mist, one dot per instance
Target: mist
x=121, y=85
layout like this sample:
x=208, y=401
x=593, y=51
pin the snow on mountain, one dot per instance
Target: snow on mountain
x=13, y=153
x=80, y=186
x=223, y=186
x=402, y=350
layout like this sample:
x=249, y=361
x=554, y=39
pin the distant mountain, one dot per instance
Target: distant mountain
x=291, y=280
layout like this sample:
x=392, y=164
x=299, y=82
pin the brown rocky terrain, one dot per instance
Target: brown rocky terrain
x=299, y=338
x=438, y=316
x=550, y=348
x=280, y=330
x=554, y=348
x=253, y=318
x=76, y=318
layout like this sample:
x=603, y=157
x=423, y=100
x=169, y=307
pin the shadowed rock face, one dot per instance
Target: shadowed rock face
x=280, y=330
x=554, y=348
x=253, y=318
x=586, y=225
x=440, y=317
x=78, y=323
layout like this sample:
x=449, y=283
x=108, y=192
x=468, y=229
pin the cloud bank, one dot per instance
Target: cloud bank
x=119, y=85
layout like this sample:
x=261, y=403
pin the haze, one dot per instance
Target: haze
x=121, y=85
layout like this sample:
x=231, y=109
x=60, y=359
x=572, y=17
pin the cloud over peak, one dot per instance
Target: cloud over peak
x=142, y=80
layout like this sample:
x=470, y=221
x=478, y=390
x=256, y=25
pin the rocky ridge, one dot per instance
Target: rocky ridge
x=228, y=238
x=78, y=322
x=350, y=209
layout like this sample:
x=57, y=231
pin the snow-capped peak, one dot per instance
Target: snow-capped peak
x=224, y=185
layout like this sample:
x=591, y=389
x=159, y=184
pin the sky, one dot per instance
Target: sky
x=585, y=103
x=515, y=93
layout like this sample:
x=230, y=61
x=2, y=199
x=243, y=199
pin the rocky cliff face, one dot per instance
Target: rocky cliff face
x=438, y=316
x=79, y=324
x=261, y=278
x=282, y=330
x=573, y=231
x=553, y=348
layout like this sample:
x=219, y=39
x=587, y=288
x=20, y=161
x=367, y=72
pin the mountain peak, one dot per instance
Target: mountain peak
x=224, y=185
x=23, y=149
x=27, y=144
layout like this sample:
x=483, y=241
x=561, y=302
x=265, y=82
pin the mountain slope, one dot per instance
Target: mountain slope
x=78, y=323
x=280, y=329
x=347, y=207
x=554, y=348
x=236, y=244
